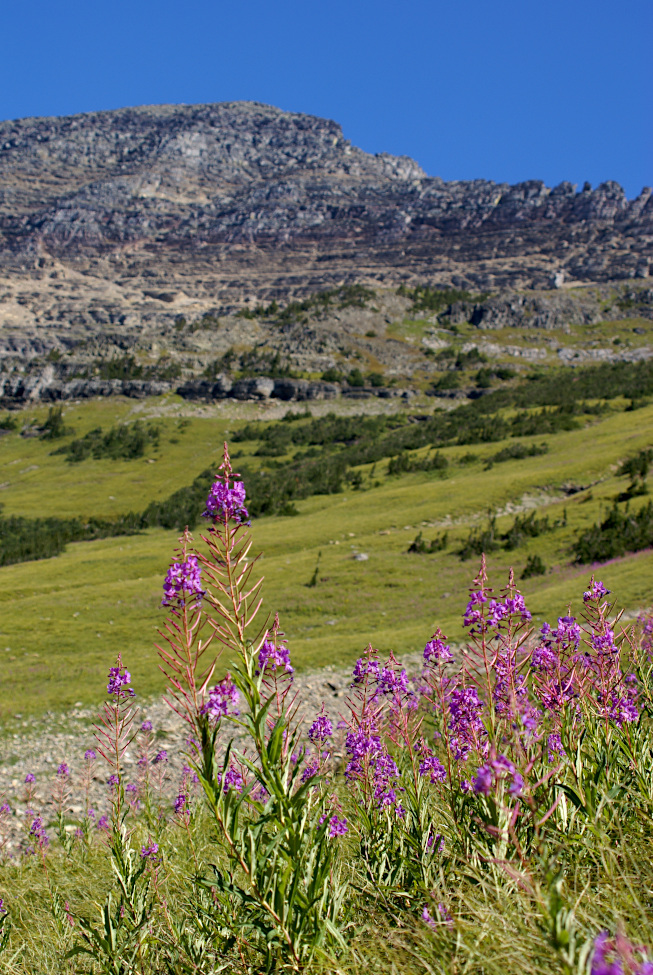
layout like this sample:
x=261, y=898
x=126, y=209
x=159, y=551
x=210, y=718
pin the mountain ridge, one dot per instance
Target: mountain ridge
x=116, y=226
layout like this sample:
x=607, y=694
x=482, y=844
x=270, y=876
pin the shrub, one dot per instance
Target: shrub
x=54, y=427
x=126, y=442
x=618, y=533
x=420, y=546
x=356, y=378
x=534, y=567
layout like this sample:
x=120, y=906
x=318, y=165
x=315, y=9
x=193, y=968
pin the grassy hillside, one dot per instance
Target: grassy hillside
x=64, y=619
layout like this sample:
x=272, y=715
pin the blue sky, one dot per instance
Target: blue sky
x=509, y=90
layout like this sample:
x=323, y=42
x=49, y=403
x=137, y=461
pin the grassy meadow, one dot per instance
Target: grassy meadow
x=64, y=619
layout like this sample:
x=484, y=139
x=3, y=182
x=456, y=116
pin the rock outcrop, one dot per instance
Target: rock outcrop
x=271, y=195
x=120, y=231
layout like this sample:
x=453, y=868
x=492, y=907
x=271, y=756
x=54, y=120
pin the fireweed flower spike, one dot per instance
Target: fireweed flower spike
x=274, y=655
x=596, y=591
x=436, y=650
x=150, y=852
x=321, y=729
x=183, y=583
x=226, y=503
x=222, y=701
x=183, y=655
x=114, y=731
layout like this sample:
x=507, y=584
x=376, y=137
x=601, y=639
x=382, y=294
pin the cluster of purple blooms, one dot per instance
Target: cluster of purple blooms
x=596, y=591
x=337, y=827
x=432, y=767
x=38, y=834
x=481, y=618
x=369, y=761
x=436, y=650
x=119, y=678
x=150, y=852
x=498, y=770
x=320, y=730
x=274, y=656
x=226, y=503
x=181, y=804
x=183, y=583
x=222, y=701
x=232, y=780
x=467, y=731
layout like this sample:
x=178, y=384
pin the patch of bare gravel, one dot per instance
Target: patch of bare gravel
x=42, y=746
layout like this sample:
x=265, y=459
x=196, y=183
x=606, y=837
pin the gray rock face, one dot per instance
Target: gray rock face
x=244, y=178
x=552, y=311
x=48, y=390
x=142, y=232
x=258, y=388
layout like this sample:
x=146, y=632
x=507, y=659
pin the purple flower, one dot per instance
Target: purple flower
x=183, y=582
x=63, y=771
x=623, y=707
x=360, y=744
x=603, y=643
x=515, y=605
x=431, y=766
x=337, y=827
x=90, y=755
x=437, y=649
x=113, y=781
x=226, y=503
x=118, y=682
x=483, y=781
x=494, y=771
x=150, y=852
x=273, y=655
x=516, y=787
x=603, y=947
x=362, y=668
x=465, y=723
x=103, y=823
x=596, y=591
x=3, y=909
x=181, y=804
x=161, y=756
x=222, y=701
x=321, y=729
x=5, y=809
x=426, y=917
x=146, y=726
x=232, y=780
x=310, y=771
x=37, y=830
x=29, y=778
x=130, y=787
x=391, y=682
x=554, y=746
x=474, y=617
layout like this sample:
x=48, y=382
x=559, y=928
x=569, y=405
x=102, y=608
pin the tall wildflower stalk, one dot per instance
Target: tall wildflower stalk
x=279, y=894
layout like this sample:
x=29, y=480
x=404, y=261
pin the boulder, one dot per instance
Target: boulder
x=257, y=388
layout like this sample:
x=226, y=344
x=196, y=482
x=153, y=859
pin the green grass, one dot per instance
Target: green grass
x=63, y=620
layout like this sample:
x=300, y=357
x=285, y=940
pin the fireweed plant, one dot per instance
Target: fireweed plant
x=504, y=785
